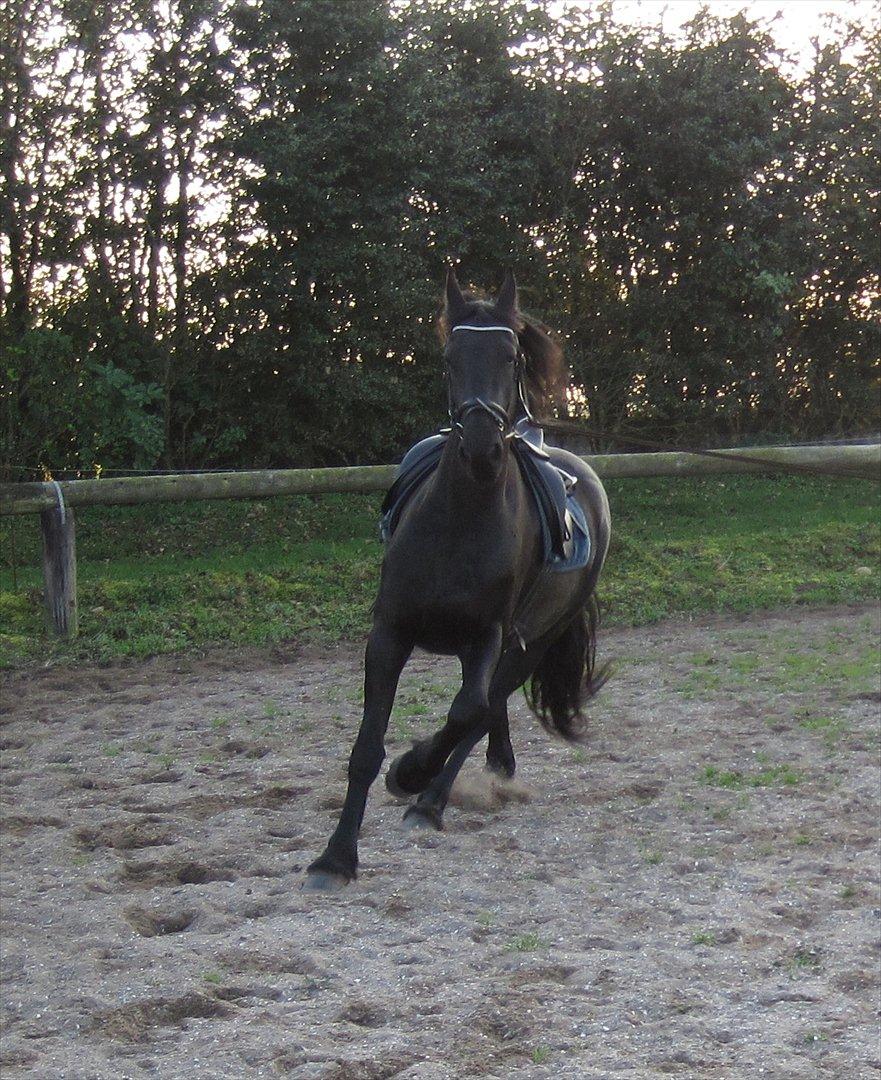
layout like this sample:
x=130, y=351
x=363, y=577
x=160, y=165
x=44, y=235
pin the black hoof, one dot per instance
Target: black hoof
x=504, y=769
x=424, y=817
x=328, y=874
x=324, y=881
x=396, y=784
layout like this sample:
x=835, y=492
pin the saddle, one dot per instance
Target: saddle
x=564, y=532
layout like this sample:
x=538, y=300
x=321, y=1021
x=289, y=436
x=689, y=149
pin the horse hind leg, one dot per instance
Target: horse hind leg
x=515, y=667
x=428, y=810
x=414, y=771
x=499, y=752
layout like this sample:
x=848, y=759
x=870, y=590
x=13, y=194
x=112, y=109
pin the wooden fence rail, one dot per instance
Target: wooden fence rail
x=55, y=501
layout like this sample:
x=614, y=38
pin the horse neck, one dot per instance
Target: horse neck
x=454, y=491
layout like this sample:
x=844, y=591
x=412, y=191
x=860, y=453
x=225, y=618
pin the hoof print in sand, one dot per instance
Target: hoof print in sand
x=125, y=836
x=134, y=1020
x=246, y=962
x=159, y=922
x=22, y=824
x=160, y=776
x=152, y=873
x=246, y=749
x=275, y=797
x=364, y=1014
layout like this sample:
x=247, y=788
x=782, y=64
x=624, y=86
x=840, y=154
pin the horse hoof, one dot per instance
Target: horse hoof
x=324, y=881
x=503, y=770
x=392, y=783
x=416, y=817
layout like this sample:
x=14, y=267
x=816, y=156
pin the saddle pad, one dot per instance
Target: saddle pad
x=577, y=549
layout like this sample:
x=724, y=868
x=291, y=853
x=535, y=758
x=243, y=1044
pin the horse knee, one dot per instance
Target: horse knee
x=365, y=763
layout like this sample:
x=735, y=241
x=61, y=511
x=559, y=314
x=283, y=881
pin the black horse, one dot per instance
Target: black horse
x=480, y=564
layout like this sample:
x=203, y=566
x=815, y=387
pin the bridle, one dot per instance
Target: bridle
x=504, y=422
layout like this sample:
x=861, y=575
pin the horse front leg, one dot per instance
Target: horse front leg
x=415, y=770
x=387, y=652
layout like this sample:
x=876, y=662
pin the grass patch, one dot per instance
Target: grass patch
x=703, y=937
x=830, y=728
x=414, y=701
x=525, y=943
x=734, y=780
x=804, y=960
x=172, y=577
x=784, y=666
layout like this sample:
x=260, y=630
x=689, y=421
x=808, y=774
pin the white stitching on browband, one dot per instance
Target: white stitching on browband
x=463, y=326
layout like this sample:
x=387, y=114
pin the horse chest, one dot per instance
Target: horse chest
x=450, y=571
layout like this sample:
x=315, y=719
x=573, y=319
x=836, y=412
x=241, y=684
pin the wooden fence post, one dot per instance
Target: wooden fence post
x=59, y=569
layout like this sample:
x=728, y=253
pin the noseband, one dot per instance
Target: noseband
x=504, y=422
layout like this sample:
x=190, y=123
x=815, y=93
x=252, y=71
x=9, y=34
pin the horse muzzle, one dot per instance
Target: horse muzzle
x=483, y=429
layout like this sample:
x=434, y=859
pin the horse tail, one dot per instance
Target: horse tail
x=566, y=677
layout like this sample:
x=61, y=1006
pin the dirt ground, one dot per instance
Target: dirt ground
x=692, y=893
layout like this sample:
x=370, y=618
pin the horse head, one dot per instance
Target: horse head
x=484, y=369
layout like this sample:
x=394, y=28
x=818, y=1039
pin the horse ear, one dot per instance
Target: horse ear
x=506, y=301
x=455, y=300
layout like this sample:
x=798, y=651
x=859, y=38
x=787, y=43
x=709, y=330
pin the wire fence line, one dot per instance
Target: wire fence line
x=97, y=472
x=744, y=454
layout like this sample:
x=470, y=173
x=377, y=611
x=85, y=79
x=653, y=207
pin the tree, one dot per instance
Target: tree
x=223, y=226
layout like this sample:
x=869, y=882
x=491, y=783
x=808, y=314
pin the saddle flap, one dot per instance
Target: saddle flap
x=418, y=464
x=550, y=488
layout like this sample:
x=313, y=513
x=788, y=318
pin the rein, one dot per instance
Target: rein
x=499, y=414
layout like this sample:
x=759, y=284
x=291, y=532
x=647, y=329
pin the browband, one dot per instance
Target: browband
x=464, y=326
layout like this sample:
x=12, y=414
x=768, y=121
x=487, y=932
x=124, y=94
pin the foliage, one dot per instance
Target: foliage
x=233, y=219
x=81, y=411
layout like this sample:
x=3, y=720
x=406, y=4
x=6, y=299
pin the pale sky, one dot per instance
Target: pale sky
x=799, y=21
